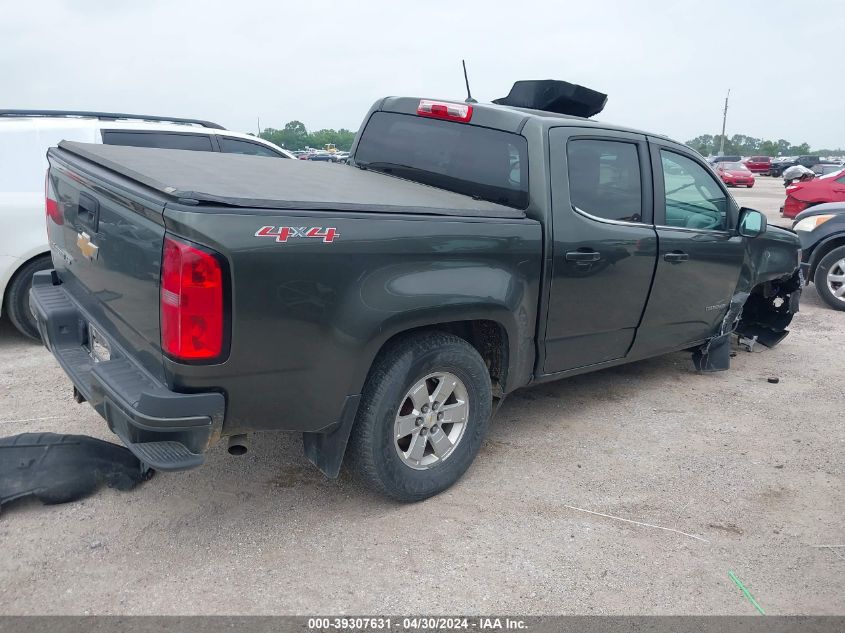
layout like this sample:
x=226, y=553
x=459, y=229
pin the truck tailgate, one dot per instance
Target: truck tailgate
x=106, y=248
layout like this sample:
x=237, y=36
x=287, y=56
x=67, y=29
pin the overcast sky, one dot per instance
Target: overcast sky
x=666, y=65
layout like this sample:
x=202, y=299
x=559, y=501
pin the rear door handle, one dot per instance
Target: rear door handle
x=676, y=257
x=583, y=256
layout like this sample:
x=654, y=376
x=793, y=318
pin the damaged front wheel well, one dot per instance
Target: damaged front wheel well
x=769, y=309
x=761, y=315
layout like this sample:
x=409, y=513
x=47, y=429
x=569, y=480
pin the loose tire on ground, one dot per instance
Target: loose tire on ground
x=830, y=278
x=376, y=454
x=17, y=296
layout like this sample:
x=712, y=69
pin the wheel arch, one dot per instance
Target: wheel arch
x=823, y=248
x=12, y=274
x=489, y=337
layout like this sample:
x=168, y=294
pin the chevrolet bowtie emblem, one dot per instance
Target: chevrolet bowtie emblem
x=83, y=241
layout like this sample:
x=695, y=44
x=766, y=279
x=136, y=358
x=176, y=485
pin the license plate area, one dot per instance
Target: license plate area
x=98, y=347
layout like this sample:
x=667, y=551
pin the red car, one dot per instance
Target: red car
x=759, y=164
x=734, y=174
x=801, y=195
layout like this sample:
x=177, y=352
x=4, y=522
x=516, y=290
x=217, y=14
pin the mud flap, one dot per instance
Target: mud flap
x=715, y=356
x=58, y=468
x=326, y=450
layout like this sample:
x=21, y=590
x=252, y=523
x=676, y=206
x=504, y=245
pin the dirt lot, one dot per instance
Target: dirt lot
x=753, y=469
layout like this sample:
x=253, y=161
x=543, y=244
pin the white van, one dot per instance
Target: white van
x=25, y=136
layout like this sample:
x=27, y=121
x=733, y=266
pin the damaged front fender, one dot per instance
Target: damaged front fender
x=764, y=303
x=761, y=315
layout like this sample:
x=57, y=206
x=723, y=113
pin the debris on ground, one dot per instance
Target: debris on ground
x=651, y=525
x=745, y=592
x=57, y=468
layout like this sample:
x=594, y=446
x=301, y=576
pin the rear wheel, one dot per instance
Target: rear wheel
x=424, y=413
x=17, y=296
x=830, y=278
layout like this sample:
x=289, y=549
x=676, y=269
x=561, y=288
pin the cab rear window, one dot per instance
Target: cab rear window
x=480, y=162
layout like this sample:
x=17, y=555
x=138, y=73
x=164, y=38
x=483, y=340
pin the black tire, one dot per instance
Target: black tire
x=820, y=278
x=17, y=296
x=372, y=455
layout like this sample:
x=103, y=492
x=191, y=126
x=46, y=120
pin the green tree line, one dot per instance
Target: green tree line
x=294, y=136
x=739, y=144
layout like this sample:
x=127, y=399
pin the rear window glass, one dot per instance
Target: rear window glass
x=238, y=146
x=484, y=163
x=166, y=140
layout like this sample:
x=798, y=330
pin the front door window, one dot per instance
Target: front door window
x=694, y=200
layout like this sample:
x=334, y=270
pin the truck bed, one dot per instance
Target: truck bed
x=256, y=182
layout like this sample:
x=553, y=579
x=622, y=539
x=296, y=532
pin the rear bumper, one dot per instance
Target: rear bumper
x=164, y=429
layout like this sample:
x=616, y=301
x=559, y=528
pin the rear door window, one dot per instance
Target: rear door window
x=240, y=146
x=165, y=140
x=481, y=162
x=604, y=179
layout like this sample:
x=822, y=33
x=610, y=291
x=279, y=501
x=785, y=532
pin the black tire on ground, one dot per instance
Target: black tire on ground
x=372, y=455
x=820, y=278
x=17, y=296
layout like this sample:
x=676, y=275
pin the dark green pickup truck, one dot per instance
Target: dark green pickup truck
x=385, y=307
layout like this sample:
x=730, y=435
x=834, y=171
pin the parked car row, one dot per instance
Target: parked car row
x=814, y=162
x=768, y=166
x=322, y=156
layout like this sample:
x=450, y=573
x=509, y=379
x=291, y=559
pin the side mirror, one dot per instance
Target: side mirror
x=751, y=223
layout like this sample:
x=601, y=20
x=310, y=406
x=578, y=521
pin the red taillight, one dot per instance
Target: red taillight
x=461, y=112
x=793, y=206
x=51, y=205
x=192, y=305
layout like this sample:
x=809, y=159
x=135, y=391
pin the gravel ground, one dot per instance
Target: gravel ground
x=753, y=470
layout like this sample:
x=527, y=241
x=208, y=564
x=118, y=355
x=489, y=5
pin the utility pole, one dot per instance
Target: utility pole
x=258, y=120
x=724, y=121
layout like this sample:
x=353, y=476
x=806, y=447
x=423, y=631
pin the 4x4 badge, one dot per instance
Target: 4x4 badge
x=283, y=233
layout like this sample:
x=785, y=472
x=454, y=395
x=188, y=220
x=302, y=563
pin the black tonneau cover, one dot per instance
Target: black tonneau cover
x=277, y=183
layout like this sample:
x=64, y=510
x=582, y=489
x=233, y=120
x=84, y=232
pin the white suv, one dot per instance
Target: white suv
x=25, y=136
